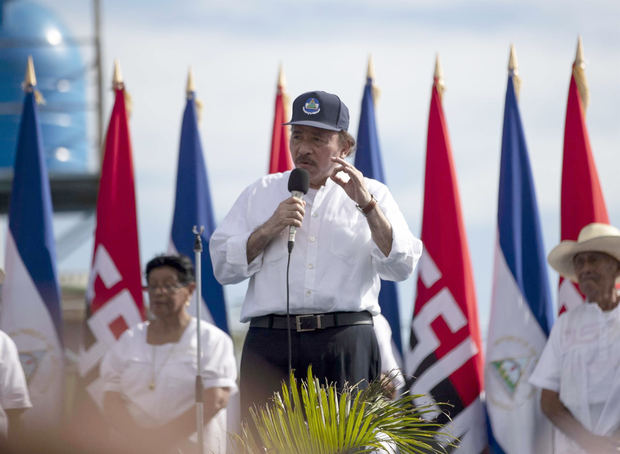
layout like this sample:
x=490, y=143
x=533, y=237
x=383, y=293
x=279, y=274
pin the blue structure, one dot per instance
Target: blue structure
x=30, y=29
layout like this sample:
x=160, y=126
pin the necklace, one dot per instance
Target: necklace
x=155, y=373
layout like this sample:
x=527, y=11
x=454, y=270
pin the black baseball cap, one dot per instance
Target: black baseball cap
x=320, y=110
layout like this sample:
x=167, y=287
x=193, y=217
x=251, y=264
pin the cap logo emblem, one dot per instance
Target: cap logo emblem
x=311, y=106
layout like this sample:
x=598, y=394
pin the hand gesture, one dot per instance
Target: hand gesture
x=355, y=187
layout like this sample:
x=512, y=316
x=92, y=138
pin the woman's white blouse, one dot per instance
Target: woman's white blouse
x=131, y=367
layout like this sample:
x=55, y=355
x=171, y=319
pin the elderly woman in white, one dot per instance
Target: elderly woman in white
x=150, y=372
x=579, y=369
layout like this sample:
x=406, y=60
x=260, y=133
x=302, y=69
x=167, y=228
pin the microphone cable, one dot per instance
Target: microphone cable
x=298, y=183
x=288, y=316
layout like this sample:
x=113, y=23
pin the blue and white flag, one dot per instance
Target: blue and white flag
x=193, y=207
x=31, y=311
x=368, y=161
x=521, y=307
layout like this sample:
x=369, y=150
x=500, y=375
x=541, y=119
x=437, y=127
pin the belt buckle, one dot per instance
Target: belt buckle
x=302, y=326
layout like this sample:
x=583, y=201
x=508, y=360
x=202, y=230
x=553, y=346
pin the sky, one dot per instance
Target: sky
x=236, y=46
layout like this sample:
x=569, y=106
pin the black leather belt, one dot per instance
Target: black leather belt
x=312, y=322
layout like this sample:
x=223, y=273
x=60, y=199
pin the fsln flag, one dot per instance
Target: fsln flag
x=114, y=294
x=280, y=157
x=445, y=358
x=368, y=161
x=193, y=207
x=521, y=306
x=31, y=311
x=582, y=197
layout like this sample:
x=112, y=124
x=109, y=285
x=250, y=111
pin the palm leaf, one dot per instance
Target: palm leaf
x=314, y=418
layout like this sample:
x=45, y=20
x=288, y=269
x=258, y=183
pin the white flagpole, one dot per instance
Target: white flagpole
x=199, y=386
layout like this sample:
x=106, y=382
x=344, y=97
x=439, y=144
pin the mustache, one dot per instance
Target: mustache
x=304, y=160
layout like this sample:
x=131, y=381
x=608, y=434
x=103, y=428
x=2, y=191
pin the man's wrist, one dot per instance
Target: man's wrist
x=369, y=206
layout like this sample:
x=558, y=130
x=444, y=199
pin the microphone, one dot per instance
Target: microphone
x=298, y=183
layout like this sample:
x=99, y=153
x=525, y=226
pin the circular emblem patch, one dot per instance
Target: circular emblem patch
x=38, y=357
x=507, y=375
x=311, y=106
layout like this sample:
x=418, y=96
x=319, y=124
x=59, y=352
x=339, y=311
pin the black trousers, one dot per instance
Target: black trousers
x=341, y=354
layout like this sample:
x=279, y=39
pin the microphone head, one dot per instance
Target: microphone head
x=299, y=180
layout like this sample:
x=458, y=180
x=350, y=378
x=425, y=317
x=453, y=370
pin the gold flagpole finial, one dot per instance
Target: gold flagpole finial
x=281, y=78
x=118, y=84
x=190, y=87
x=513, y=66
x=190, y=92
x=30, y=80
x=579, y=72
x=438, y=77
x=370, y=75
x=117, y=78
x=281, y=89
x=370, y=72
x=579, y=59
x=513, y=70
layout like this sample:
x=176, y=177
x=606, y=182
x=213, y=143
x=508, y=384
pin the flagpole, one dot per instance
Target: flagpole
x=31, y=303
x=521, y=307
x=582, y=200
x=199, y=386
x=280, y=156
x=445, y=290
x=369, y=161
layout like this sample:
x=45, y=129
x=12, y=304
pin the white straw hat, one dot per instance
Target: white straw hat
x=595, y=237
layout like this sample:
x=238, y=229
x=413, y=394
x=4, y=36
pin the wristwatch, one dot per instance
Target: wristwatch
x=368, y=208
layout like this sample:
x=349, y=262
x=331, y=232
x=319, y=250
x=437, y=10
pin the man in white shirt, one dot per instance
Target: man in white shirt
x=14, y=397
x=579, y=369
x=350, y=233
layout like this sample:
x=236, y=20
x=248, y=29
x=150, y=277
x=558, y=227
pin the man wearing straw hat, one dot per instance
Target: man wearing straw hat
x=579, y=369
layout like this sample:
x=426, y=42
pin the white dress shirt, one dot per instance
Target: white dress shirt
x=581, y=361
x=335, y=264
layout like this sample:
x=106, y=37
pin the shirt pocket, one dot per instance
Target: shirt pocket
x=348, y=244
x=277, y=249
x=347, y=231
x=578, y=337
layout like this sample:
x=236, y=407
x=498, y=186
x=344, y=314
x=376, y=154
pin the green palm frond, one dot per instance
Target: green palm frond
x=311, y=418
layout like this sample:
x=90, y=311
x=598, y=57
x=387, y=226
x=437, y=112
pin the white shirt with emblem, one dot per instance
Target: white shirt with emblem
x=335, y=264
x=581, y=361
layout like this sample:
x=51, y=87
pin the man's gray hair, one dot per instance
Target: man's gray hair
x=347, y=139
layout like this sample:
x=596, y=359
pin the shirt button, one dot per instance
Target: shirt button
x=314, y=215
x=310, y=266
x=312, y=239
x=308, y=292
